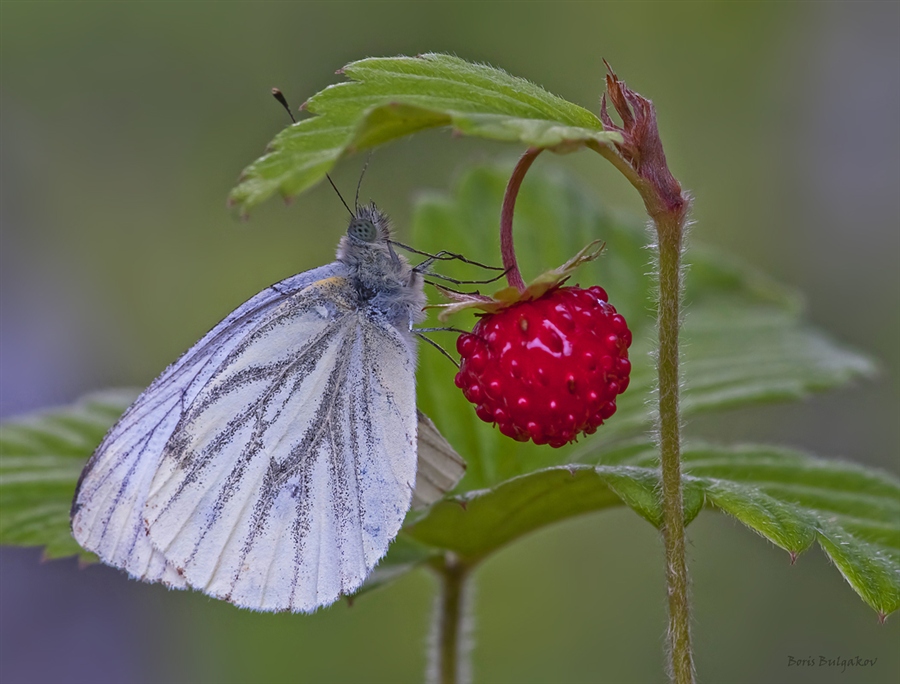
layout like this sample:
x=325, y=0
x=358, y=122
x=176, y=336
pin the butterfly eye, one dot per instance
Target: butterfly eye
x=362, y=229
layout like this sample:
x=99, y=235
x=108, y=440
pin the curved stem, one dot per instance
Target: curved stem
x=449, y=652
x=508, y=252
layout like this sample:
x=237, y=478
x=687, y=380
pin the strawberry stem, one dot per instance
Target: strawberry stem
x=641, y=159
x=507, y=250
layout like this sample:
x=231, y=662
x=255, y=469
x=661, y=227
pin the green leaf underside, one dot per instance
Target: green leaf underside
x=387, y=98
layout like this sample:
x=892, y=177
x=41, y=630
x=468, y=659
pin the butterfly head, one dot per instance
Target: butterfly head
x=369, y=225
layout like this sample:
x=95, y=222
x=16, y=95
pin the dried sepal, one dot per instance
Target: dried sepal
x=510, y=295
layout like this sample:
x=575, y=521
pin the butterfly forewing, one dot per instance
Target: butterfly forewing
x=294, y=467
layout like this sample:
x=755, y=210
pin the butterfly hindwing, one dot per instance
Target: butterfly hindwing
x=293, y=468
x=439, y=468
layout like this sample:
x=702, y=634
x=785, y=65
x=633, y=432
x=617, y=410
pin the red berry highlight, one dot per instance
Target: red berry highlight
x=547, y=369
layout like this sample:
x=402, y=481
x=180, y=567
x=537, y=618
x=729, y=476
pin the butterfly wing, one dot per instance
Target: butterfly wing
x=291, y=471
x=107, y=511
x=439, y=469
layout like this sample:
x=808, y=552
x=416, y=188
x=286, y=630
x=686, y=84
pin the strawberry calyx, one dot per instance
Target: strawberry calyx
x=509, y=296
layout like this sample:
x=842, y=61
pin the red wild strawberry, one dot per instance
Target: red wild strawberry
x=547, y=369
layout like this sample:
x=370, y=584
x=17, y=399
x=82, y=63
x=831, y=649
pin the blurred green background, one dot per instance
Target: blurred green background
x=124, y=125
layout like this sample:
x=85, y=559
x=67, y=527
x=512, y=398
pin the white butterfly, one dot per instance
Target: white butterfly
x=272, y=464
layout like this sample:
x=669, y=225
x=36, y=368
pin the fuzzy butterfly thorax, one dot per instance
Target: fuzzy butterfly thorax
x=384, y=281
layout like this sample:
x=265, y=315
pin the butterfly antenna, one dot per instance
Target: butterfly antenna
x=278, y=95
x=352, y=213
x=359, y=183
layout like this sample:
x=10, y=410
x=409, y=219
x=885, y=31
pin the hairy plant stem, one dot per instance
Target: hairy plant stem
x=669, y=220
x=507, y=250
x=670, y=232
x=449, y=651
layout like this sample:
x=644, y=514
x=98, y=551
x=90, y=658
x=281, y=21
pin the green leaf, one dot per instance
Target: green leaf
x=388, y=98
x=789, y=498
x=639, y=489
x=744, y=338
x=478, y=523
x=41, y=457
x=738, y=353
x=793, y=500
